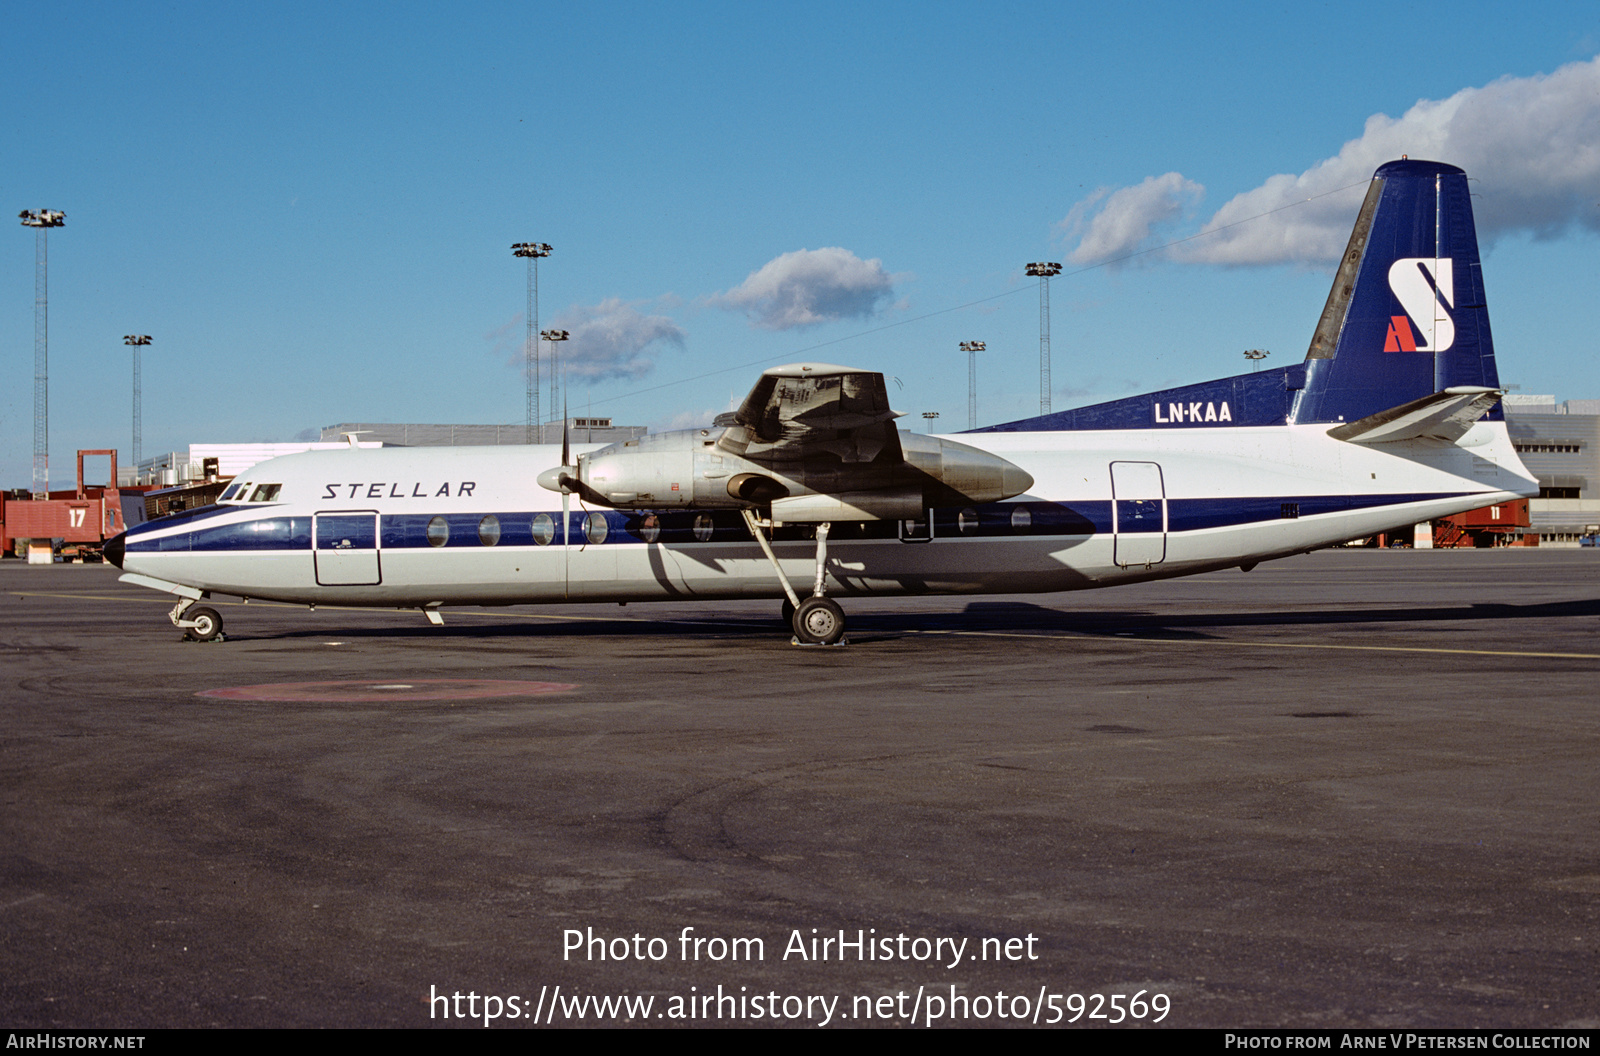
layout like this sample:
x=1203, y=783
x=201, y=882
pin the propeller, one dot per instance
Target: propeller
x=567, y=478
x=563, y=478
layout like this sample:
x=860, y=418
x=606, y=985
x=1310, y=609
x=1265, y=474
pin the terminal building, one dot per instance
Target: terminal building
x=179, y=480
x=579, y=431
x=1560, y=445
x=210, y=461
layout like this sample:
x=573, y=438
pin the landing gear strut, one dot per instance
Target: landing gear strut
x=818, y=620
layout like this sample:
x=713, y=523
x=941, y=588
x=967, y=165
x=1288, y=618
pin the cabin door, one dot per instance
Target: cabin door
x=1138, y=514
x=346, y=549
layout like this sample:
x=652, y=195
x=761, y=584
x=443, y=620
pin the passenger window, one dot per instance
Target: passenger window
x=1021, y=519
x=967, y=521
x=594, y=527
x=489, y=530
x=703, y=527
x=438, y=531
x=544, y=529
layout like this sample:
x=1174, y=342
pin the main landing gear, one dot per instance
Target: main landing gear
x=818, y=620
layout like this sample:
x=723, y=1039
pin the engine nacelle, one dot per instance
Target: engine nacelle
x=648, y=471
x=690, y=468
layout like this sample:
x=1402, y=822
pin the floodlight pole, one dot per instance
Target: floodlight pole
x=972, y=348
x=1044, y=269
x=136, y=341
x=1255, y=356
x=530, y=348
x=553, y=336
x=42, y=220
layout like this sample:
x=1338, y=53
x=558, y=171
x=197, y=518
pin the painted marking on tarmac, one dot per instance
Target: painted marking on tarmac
x=1272, y=645
x=371, y=690
x=1120, y=636
x=386, y=610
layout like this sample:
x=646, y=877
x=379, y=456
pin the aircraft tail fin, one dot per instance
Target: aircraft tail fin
x=1406, y=320
x=1406, y=317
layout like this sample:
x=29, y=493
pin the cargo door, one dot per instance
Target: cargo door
x=346, y=550
x=1138, y=514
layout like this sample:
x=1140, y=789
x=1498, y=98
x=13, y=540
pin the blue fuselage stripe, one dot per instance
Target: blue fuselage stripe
x=517, y=528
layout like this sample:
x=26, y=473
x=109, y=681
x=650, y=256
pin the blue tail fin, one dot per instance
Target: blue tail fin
x=1406, y=318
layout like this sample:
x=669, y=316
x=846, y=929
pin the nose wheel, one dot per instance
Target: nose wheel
x=199, y=623
x=207, y=625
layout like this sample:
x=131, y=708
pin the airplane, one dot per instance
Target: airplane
x=1391, y=420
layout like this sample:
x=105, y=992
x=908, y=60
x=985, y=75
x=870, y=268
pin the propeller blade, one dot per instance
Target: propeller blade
x=566, y=531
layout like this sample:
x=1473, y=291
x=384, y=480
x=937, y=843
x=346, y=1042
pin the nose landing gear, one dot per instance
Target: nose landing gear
x=198, y=623
x=207, y=625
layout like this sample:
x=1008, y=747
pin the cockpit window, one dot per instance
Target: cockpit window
x=227, y=492
x=266, y=493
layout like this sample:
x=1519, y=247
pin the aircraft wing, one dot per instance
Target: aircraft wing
x=1444, y=416
x=804, y=410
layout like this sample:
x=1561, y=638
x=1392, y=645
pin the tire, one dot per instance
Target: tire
x=818, y=621
x=208, y=625
x=788, y=613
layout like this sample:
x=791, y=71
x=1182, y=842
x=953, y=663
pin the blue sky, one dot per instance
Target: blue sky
x=310, y=207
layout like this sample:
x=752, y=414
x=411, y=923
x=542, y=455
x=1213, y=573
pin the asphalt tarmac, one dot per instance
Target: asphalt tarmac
x=1346, y=789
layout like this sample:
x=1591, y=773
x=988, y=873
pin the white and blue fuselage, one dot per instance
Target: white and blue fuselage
x=425, y=527
x=1389, y=422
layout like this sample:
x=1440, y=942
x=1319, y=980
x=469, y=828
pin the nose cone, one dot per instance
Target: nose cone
x=116, y=546
x=555, y=479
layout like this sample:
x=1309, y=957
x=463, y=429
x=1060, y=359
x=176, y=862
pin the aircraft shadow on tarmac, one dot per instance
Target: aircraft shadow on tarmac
x=979, y=616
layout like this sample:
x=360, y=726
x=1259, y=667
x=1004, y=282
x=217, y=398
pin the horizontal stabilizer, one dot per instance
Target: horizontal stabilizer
x=1443, y=416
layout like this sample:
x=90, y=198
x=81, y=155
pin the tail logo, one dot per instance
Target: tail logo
x=1425, y=288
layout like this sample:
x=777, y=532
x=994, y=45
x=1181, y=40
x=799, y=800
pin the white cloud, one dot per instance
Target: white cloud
x=1126, y=217
x=1531, y=146
x=808, y=287
x=612, y=339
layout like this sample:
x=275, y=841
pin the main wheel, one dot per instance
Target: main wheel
x=788, y=612
x=819, y=621
x=207, y=625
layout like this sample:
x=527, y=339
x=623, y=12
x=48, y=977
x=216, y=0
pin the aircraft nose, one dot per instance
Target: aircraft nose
x=115, y=547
